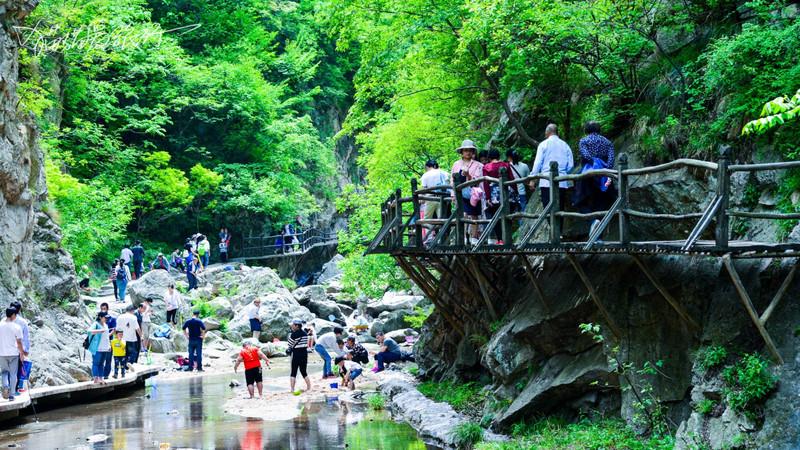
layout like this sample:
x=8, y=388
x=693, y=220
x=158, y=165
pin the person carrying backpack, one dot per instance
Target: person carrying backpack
x=137, y=252
x=123, y=274
x=493, y=190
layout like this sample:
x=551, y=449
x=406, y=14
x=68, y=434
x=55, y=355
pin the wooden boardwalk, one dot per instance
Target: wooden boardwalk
x=72, y=393
x=447, y=253
x=270, y=247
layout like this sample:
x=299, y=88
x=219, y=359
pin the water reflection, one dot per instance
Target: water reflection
x=190, y=413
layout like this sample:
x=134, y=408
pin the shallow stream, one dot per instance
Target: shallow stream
x=190, y=413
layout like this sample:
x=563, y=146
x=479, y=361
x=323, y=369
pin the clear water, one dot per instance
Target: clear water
x=189, y=413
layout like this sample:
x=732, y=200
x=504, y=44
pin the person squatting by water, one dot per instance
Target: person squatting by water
x=349, y=370
x=327, y=344
x=251, y=356
x=297, y=349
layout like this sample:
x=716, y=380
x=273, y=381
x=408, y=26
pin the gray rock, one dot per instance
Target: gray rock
x=222, y=308
x=211, y=323
x=392, y=301
x=389, y=321
x=307, y=294
x=564, y=376
x=161, y=345
x=330, y=270
x=505, y=356
x=152, y=284
x=275, y=349
x=277, y=310
x=322, y=326
x=233, y=336
x=400, y=335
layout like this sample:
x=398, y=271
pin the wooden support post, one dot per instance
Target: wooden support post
x=458, y=179
x=593, y=294
x=431, y=294
x=723, y=188
x=483, y=284
x=505, y=208
x=417, y=214
x=779, y=295
x=555, y=202
x=536, y=287
x=665, y=293
x=425, y=275
x=751, y=310
x=622, y=190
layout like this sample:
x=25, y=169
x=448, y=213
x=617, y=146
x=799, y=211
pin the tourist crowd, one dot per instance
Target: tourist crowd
x=482, y=201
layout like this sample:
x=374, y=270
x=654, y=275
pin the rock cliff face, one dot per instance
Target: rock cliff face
x=539, y=362
x=34, y=269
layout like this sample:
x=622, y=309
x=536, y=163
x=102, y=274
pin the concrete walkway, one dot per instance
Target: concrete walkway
x=65, y=394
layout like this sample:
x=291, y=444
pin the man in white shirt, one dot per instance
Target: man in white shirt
x=26, y=341
x=173, y=301
x=11, y=352
x=126, y=255
x=254, y=317
x=327, y=344
x=553, y=149
x=129, y=325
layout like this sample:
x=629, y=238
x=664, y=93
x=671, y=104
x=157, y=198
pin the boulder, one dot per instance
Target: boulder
x=392, y=301
x=506, y=357
x=277, y=311
x=223, y=309
x=211, y=323
x=307, y=294
x=161, y=345
x=152, y=284
x=275, y=349
x=346, y=310
x=563, y=376
x=399, y=336
x=327, y=310
x=322, y=326
x=234, y=336
x=331, y=270
x=389, y=321
x=179, y=342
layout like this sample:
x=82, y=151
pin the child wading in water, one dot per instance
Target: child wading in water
x=350, y=370
x=251, y=356
x=118, y=351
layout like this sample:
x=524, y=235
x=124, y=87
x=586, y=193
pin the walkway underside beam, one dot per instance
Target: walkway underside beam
x=665, y=293
x=432, y=293
x=593, y=294
x=751, y=310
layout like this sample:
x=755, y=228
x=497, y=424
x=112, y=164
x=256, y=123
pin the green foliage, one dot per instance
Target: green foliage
x=413, y=370
x=179, y=130
x=467, y=434
x=775, y=113
x=711, y=357
x=289, y=284
x=462, y=396
x=205, y=308
x=376, y=402
x=496, y=325
x=748, y=382
x=705, y=406
x=91, y=216
x=555, y=433
x=223, y=325
x=478, y=340
x=419, y=317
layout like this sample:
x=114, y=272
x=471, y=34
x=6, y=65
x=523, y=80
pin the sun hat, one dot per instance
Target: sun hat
x=466, y=144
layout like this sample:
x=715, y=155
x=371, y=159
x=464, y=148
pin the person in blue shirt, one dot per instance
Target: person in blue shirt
x=195, y=330
x=138, y=259
x=192, y=263
x=390, y=351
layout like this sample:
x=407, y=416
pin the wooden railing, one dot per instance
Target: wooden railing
x=281, y=245
x=402, y=227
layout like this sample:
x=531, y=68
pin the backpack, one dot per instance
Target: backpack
x=121, y=276
x=163, y=331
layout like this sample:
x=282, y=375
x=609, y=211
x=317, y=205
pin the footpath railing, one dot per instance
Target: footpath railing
x=402, y=225
x=285, y=245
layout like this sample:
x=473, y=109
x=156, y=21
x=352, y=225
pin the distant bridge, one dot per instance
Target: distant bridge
x=451, y=251
x=312, y=248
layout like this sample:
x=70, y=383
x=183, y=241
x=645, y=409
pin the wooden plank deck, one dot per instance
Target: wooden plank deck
x=10, y=409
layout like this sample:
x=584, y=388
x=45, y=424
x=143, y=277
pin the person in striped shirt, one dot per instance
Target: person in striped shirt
x=298, y=344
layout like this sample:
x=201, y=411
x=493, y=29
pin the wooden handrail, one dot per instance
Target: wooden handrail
x=678, y=163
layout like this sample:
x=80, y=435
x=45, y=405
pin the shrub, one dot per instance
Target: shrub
x=705, y=406
x=205, y=308
x=419, y=317
x=461, y=396
x=712, y=356
x=223, y=325
x=413, y=370
x=289, y=284
x=749, y=381
x=376, y=402
x=467, y=434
